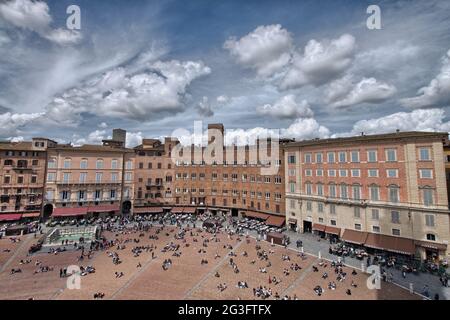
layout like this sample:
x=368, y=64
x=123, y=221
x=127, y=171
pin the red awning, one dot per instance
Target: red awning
x=189, y=210
x=318, y=227
x=275, y=221
x=257, y=215
x=104, y=208
x=431, y=245
x=333, y=230
x=177, y=210
x=148, y=210
x=10, y=216
x=390, y=243
x=69, y=212
x=31, y=215
x=354, y=236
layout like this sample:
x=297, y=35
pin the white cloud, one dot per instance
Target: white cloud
x=417, y=120
x=204, y=108
x=94, y=137
x=103, y=125
x=11, y=123
x=223, y=99
x=305, y=128
x=266, y=49
x=155, y=91
x=16, y=139
x=436, y=93
x=133, y=139
x=286, y=108
x=35, y=16
x=368, y=90
x=320, y=62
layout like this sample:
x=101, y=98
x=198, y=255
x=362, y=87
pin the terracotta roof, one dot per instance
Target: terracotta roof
x=91, y=147
x=373, y=137
x=19, y=146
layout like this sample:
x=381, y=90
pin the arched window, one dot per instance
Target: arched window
x=83, y=163
x=374, y=192
x=99, y=164
x=394, y=193
x=67, y=163
x=431, y=237
x=428, y=196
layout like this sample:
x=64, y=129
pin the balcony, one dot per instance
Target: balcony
x=88, y=182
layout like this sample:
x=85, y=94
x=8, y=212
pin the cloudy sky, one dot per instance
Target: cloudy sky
x=304, y=68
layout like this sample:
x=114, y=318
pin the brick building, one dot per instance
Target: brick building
x=90, y=179
x=383, y=191
x=22, y=176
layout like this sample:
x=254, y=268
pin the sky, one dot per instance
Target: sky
x=303, y=69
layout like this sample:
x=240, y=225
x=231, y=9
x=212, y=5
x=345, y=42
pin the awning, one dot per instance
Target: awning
x=10, y=216
x=148, y=210
x=318, y=227
x=431, y=245
x=177, y=210
x=104, y=208
x=257, y=215
x=333, y=230
x=189, y=210
x=69, y=212
x=31, y=215
x=353, y=236
x=292, y=221
x=275, y=221
x=390, y=243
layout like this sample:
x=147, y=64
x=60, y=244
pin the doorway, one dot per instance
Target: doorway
x=307, y=226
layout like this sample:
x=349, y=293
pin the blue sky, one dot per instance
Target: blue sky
x=304, y=68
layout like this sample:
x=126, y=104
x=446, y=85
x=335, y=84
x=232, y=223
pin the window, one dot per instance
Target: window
x=128, y=176
x=51, y=177
x=98, y=194
x=372, y=173
x=98, y=177
x=308, y=188
x=330, y=156
x=342, y=157
x=292, y=186
x=114, y=177
x=309, y=205
x=356, y=190
x=291, y=159
x=332, y=208
x=277, y=180
x=332, y=173
x=391, y=155
x=356, y=173
x=7, y=180
x=396, y=232
x=357, y=226
x=129, y=165
x=66, y=177
x=344, y=193
x=426, y=173
x=67, y=163
x=355, y=156
x=392, y=173
x=292, y=203
x=114, y=164
x=112, y=194
x=376, y=229
x=291, y=172
x=307, y=157
x=320, y=220
x=81, y=195
x=395, y=217
x=375, y=214
x=374, y=193
x=320, y=207
x=428, y=196
x=342, y=173
x=332, y=190
x=424, y=154
x=431, y=237
x=429, y=220
x=308, y=172
x=83, y=164
x=357, y=212
x=320, y=189
x=372, y=156
x=51, y=163
x=333, y=222
x=83, y=176
x=319, y=157
x=319, y=172
x=394, y=194
x=65, y=195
